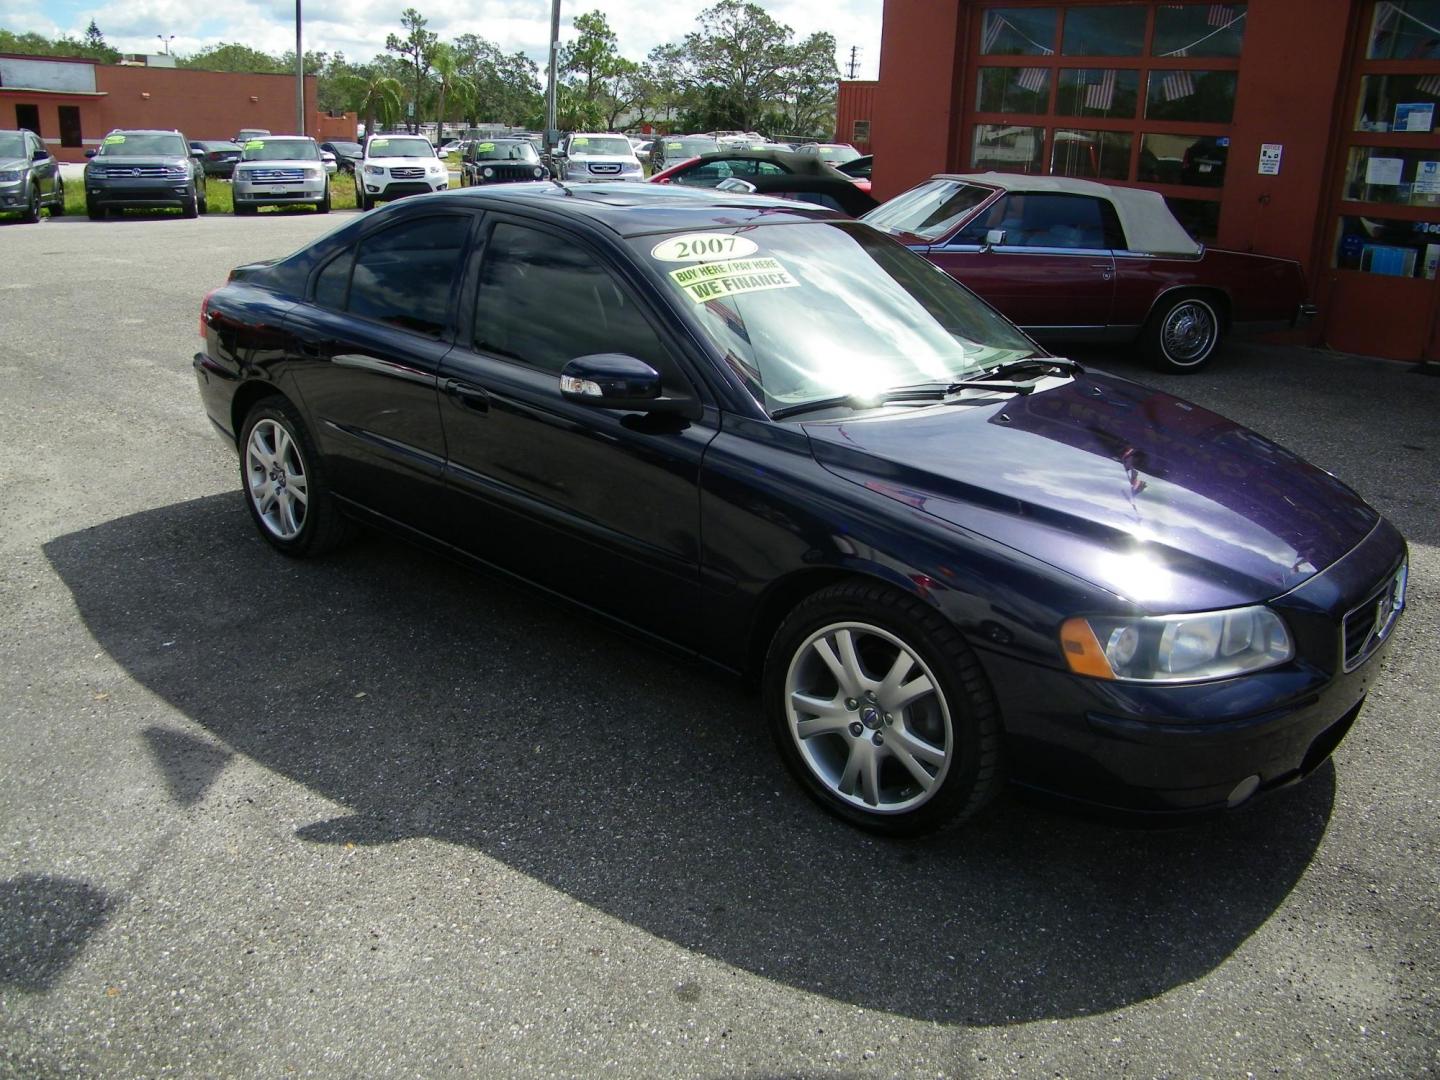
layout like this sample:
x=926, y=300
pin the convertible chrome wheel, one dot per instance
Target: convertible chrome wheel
x=275, y=479
x=869, y=718
x=1183, y=336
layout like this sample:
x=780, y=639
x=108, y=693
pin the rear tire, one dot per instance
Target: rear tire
x=57, y=208
x=284, y=481
x=1183, y=334
x=881, y=711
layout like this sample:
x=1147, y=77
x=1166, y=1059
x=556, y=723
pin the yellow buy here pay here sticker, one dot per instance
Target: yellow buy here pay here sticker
x=715, y=281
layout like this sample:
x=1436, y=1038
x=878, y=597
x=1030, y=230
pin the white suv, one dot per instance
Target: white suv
x=396, y=165
x=597, y=156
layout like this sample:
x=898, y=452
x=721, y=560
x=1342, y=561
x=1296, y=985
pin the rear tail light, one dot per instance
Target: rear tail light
x=205, y=312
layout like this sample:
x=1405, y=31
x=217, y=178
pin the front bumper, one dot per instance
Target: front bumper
x=263, y=194
x=138, y=192
x=381, y=188
x=1184, y=749
x=14, y=195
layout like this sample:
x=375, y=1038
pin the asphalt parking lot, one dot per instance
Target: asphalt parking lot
x=377, y=816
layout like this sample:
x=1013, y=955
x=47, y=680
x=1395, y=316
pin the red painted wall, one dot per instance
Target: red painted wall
x=202, y=104
x=915, y=126
x=856, y=102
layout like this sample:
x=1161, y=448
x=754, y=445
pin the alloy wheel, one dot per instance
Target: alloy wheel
x=869, y=718
x=276, y=481
x=1189, y=332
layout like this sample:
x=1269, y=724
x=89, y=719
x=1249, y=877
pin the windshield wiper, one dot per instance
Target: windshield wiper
x=857, y=401
x=1011, y=367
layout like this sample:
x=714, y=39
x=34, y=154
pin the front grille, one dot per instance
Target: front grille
x=149, y=172
x=275, y=176
x=405, y=172
x=503, y=171
x=1369, y=623
x=605, y=170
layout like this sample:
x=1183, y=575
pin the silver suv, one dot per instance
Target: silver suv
x=597, y=156
x=144, y=170
x=277, y=170
x=29, y=177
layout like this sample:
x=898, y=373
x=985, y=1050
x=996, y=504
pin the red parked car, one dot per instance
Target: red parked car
x=1073, y=260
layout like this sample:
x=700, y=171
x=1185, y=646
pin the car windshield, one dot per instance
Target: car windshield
x=519, y=150
x=837, y=153
x=346, y=147
x=600, y=146
x=812, y=311
x=391, y=147
x=281, y=150
x=12, y=144
x=147, y=143
x=688, y=148
x=929, y=210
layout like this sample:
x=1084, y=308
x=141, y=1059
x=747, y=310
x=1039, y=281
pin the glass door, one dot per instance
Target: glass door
x=1384, y=257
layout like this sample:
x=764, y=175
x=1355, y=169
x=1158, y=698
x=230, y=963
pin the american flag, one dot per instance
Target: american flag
x=1034, y=80
x=1220, y=15
x=1100, y=96
x=1177, y=85
x=994, y=24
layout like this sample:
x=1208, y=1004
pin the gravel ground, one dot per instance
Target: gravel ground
x=379, y=816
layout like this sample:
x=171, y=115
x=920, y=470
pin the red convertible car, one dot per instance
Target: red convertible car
x=1073, y=260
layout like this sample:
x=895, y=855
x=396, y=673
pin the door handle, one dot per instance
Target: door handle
x=1108, y=268
x=467, y=394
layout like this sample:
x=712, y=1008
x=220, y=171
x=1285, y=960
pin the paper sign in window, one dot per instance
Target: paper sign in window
x=716, y=281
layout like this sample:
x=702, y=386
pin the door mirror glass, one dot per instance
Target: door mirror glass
x=89, y=153
x=197, y=154
x=326, y=155
x=611, y=381
x=40, y=154
x=994, y=237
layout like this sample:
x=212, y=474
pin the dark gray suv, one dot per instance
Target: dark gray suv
x=144, y=170
x=29, y=177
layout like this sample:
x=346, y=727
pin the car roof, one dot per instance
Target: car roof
x=802, y=164
x=1147, y=221
x=633, y=209
x=143, y=131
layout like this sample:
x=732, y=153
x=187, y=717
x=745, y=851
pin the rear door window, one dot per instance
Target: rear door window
x=406, y=274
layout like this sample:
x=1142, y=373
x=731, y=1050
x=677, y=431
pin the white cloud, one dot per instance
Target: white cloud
x=359, y=27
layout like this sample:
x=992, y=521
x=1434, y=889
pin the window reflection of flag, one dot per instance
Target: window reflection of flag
x=994, y=23
x=1034, y=80
x=1220, y=15
x=1177, y=85
x=1101, y=95
x=1430, y=84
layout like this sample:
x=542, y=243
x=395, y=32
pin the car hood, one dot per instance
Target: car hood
x=604, y=159
x=142, y=159
x=403, y=162
x=18, y=164
x=281, y=163
x=1150, y=497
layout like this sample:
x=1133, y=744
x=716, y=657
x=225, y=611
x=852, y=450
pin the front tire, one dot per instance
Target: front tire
x=31, y=214
x=95, y=211
x=881, y=711
x=323, y=206
x=284, y=483
x=190, y=205
x=1183, y=334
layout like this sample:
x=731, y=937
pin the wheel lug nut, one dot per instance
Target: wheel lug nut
x=889, y=719
x=878, y=739
x=851, y=704
x=857, y=729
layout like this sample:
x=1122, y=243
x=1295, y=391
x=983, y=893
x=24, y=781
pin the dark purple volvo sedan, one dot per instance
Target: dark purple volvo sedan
x=783, y=442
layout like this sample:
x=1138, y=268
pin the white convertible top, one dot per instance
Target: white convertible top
x=1149, y=226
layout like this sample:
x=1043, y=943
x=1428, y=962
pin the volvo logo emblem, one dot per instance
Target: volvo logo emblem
x=870, y=717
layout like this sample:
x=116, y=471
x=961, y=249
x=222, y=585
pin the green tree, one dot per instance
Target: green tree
x=810, y=87
x=597, y=75
x=374, y=94
x=450, y=82
x=233, y=56
x=417, y=49
x=737, y=57
x=94, y=39
x=505, y=87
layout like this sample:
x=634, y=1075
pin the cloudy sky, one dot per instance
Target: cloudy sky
x=358, y=27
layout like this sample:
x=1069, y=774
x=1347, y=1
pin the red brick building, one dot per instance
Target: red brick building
x=1303, y=128
x=71, y=104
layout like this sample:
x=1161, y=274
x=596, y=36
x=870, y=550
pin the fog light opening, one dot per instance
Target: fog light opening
x=1243, y=791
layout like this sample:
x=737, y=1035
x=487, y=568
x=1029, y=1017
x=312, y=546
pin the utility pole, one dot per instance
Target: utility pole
x=299, y=76
x=853, y=67
x=551, y=88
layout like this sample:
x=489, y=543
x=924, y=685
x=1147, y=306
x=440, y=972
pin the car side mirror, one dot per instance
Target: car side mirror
x=89, y=153
x=198, y=154
x=40, y=154
x=326, y=155
x=994, y=238
x=616, y=381
x=735, y=184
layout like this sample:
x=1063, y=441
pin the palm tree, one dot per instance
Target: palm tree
x=374, y=93
x=446, y=66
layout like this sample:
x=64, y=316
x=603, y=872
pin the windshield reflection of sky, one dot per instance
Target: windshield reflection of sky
x=852, y=327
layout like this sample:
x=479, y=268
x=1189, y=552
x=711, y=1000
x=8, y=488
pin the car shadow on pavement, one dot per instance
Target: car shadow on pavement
x=45, y=922
x=433, y=702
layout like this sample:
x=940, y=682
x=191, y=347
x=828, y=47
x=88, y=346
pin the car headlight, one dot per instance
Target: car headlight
x=313, y=173
x=539, y=172
x=487, y=171
x=9, y=176
x=435, y=170
x=177, y=172
x=1176, y=648
x=374, y=170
